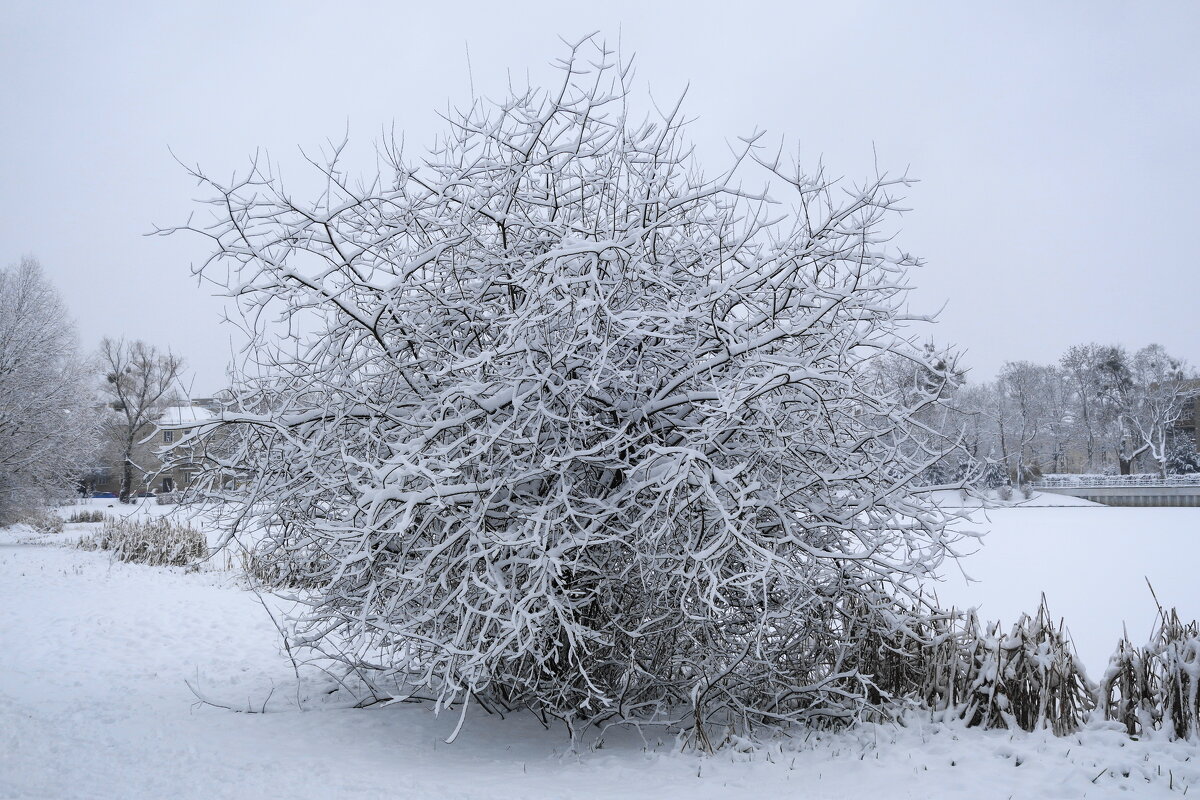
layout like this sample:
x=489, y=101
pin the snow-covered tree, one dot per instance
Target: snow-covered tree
x=47, y=429
x=1183, y=456
x=139, y=382
x=937, y=427
x=1036, y=419
x=1160, y=394
x=558, y=422
x=1097, y=377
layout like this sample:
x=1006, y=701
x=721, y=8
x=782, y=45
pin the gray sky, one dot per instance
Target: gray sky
x=1058, y=145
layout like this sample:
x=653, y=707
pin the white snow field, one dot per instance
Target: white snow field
x=1092, y=562
x=93, y=702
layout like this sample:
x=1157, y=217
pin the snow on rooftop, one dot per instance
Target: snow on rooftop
x=184, y=415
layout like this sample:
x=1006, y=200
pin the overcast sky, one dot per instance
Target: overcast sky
x=1058, y=145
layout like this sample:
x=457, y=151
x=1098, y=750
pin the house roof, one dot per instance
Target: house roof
x=185, y=415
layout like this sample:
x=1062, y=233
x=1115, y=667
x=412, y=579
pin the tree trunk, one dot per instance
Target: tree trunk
x=1126, y=461
x=1008, y=467
x=126, y=476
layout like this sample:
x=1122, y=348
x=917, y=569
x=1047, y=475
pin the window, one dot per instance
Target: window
x=168, y=436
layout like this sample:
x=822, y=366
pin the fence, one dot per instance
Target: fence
x=1114, y=481
x=1126, y=490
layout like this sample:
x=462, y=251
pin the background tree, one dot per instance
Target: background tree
x=138, y=380
x=1098, y=409
x=47, y=429
x=1089, y=371
x=1038, y=415
x=1183, y=457
x=1157, y=400
x=974, y=404
x=579, y=429
x=923, y=381
x=1022, y=387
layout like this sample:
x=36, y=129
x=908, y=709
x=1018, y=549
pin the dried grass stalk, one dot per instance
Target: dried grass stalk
x=157, y=542
x=1155, y=687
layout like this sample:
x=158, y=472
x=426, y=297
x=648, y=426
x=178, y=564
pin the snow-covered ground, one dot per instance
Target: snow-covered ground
x=94, y=656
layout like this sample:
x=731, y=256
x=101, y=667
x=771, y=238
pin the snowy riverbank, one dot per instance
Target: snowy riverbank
x=94, y=704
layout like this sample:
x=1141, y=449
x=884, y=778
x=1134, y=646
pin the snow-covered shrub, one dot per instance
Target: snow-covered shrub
x=1176, y=653
x=1156, y=687
x=1182, y=456
x=949, y=664
x=1005, y=492
x=41, y=519
x=1125, y=692
x=157, y=542
x=569, y=426
x=908, y=657
x=1028, y=679
x=992, y=475
x=95, y=515
x=954, y=470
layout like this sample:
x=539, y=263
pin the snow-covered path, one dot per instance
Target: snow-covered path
x=93, y=704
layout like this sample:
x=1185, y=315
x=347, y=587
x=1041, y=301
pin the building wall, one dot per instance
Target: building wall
x=107, y=477
x=1196, y=421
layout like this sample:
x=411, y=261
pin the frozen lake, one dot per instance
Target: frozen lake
x=1092, y=562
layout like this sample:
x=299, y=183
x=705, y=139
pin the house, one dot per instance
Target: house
x=1189, y=424
x=171, y=425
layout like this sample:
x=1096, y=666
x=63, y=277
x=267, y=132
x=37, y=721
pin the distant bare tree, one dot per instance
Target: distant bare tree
x=47, y=430
x=1021, y=384
x=138, y=381
x=1037, y=407
x=1091, y=372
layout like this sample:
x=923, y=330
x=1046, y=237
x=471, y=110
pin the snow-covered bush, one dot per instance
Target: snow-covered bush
x=157, y=542
x=992, y=475
x=948, y=663
x=1029, y=679
x=563, y=424
x=95, y=515
x=38, y=517
x=1156, y=687
x=908, y=656
x=1125, y=692
x=1183, y=457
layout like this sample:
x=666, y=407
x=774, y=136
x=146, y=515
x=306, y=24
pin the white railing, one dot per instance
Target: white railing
x=1113, y=481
